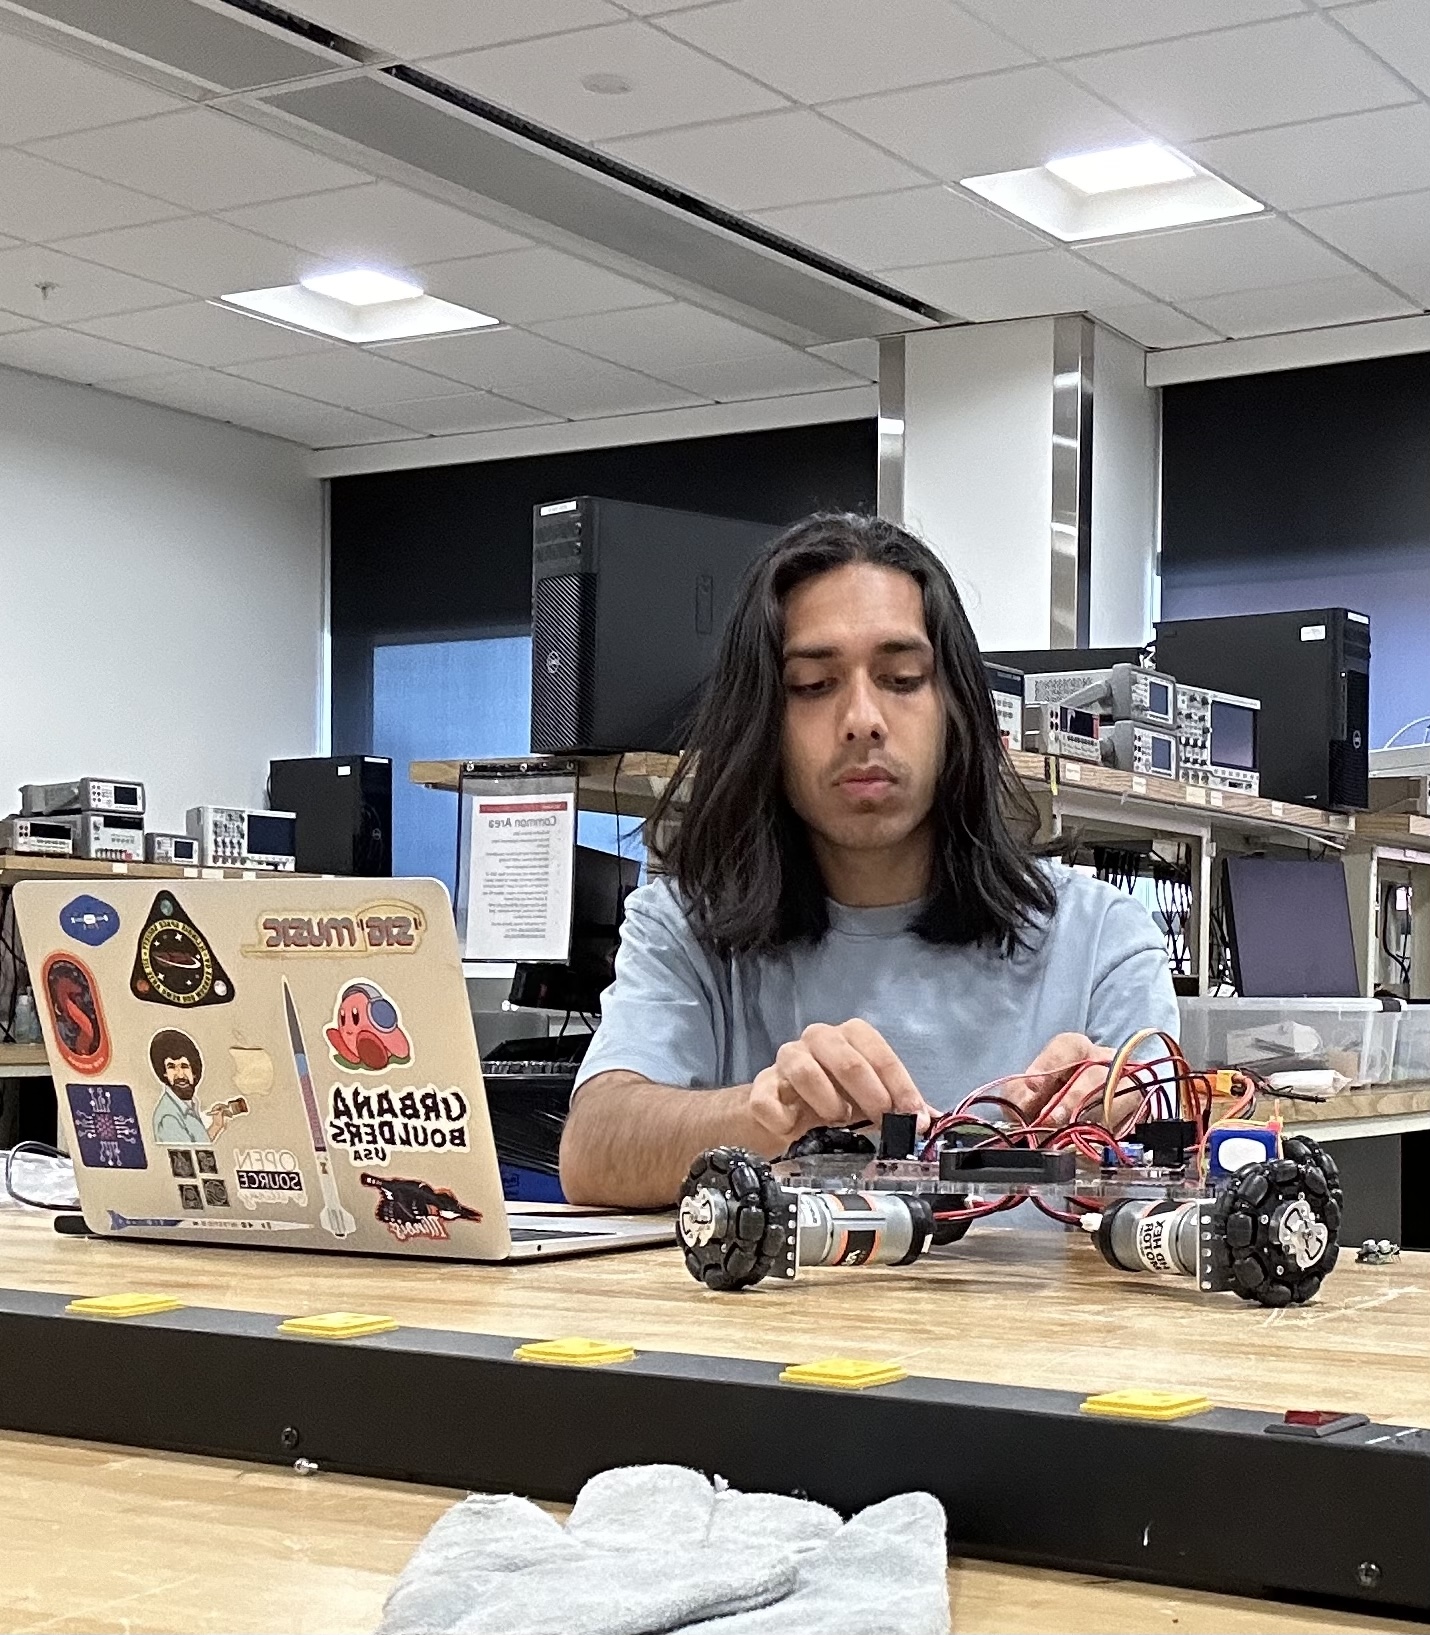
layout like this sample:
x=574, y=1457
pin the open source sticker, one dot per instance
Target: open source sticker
x=174, y=963
x=81, y=1035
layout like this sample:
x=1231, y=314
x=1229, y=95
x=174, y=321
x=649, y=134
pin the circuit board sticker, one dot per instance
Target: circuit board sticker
x=174, y=964
x=416, y=1209
x=80, y=1032
x=106, y=1126
x=90, y=921
x=366, y=1031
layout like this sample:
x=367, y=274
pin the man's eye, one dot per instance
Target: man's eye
x=809, y=689
x=905, y=684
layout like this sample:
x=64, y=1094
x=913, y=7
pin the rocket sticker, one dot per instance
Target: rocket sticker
x=334, y=1219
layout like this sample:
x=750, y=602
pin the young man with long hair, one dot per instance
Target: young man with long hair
x=851, y=920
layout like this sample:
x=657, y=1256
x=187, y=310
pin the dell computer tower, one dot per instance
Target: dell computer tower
x=344, y=809
x=629, y=603
x=1311, y=671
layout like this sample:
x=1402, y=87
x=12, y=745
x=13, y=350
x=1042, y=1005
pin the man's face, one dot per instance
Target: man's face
x=179, y=1076
x=864, y=724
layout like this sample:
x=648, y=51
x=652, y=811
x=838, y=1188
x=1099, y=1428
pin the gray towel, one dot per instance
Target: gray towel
x=654, y=1549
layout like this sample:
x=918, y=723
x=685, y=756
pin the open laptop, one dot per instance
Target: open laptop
x=279, y=1061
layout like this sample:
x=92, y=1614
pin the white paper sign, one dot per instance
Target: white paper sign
x=519, y=863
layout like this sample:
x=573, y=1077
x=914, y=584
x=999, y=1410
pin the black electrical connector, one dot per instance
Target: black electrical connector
x=898, y=1135
x=1168, y=1140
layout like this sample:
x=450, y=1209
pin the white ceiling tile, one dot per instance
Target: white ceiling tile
x=654, y=8
x=919, y=224
x=1066, y=28
x=1239, y=79
x=817, y=50
x=1398, y=31
x=536, y=371
x=656, y=340
x=40, y=201
x=50, y=287
x=201, y=333
x=1013, y=286
x=70, y=355
x=11, y=321
x=422, y=28
x=1354, y=298
x=259, y=408
x=1329, y=161
x=466, y=411
x=347, y=377
x=1001, y=122
x=670, y=83
x=773, y=375
x=195, y=254
x=379, y=224
x=859, y=357
x=202, y=159
x=46, y=93
x=775, y=159
x=1219, y=258
x=530, y=286
x=1149, y=323
x=1389, y=236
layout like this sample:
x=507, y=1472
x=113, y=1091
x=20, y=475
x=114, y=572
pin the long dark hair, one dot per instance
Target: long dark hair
x=735, y=848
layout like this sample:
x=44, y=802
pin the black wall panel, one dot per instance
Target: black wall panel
x=446, y=550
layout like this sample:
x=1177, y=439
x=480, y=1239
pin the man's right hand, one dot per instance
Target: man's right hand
x=834, y=1075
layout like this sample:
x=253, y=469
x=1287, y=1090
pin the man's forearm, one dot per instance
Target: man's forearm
x=628, y=1142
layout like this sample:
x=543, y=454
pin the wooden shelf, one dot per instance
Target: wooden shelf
x=626, y=785
x=1378, y=1109
x=16, y=866
x=23, y=1062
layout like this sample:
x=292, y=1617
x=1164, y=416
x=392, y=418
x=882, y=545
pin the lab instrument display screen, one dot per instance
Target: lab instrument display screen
x=1159, y=699
x=1233, y=736
x=272, y=836
x=1162, y=755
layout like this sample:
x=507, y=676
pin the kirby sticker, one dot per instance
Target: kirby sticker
x=367, y=1031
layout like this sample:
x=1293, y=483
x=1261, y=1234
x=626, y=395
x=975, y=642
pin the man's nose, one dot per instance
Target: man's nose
x=864, y=713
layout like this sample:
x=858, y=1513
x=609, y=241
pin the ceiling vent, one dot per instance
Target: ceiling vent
x=496, y=156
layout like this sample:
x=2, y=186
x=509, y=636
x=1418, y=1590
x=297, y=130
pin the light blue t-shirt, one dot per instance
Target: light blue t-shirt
x=957, y=1017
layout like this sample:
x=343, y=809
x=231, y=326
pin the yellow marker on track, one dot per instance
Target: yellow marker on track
x=1146, y=1404
x=124, y=1305
x=844, y=1373
x=339, y=1325
x=574, y=1352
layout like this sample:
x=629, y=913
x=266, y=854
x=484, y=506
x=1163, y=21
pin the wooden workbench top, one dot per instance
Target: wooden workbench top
x=171, y=1543
x=1009, y=1305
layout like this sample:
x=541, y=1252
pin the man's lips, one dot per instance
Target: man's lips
x=866, y=780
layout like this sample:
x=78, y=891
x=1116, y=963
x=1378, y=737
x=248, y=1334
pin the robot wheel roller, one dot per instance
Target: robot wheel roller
x=1279, y=1221
x=733, y=1219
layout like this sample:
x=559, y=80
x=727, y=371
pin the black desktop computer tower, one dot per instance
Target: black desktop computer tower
x=1311, y=671
x=629, y=603
x=344, y=807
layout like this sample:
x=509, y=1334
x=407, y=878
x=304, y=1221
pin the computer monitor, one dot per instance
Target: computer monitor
x=1290, y=929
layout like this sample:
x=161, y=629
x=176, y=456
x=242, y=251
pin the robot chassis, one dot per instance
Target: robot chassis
x=1267, y=1231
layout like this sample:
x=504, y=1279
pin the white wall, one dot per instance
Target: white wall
x=161, y=598
x=1126, y=455
x=978, y=421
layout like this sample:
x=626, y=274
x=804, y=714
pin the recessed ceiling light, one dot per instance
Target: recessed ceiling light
x=1119, y=190
x=308, y=306
x=1144, y=164
x=606, y=85
x=362, y=287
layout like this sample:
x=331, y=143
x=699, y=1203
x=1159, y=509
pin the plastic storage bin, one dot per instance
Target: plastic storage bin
x=1412, y=1044
x=1354, y=1037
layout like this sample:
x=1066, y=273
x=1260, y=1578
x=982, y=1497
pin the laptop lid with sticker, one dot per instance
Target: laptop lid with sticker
x=280, y=1061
